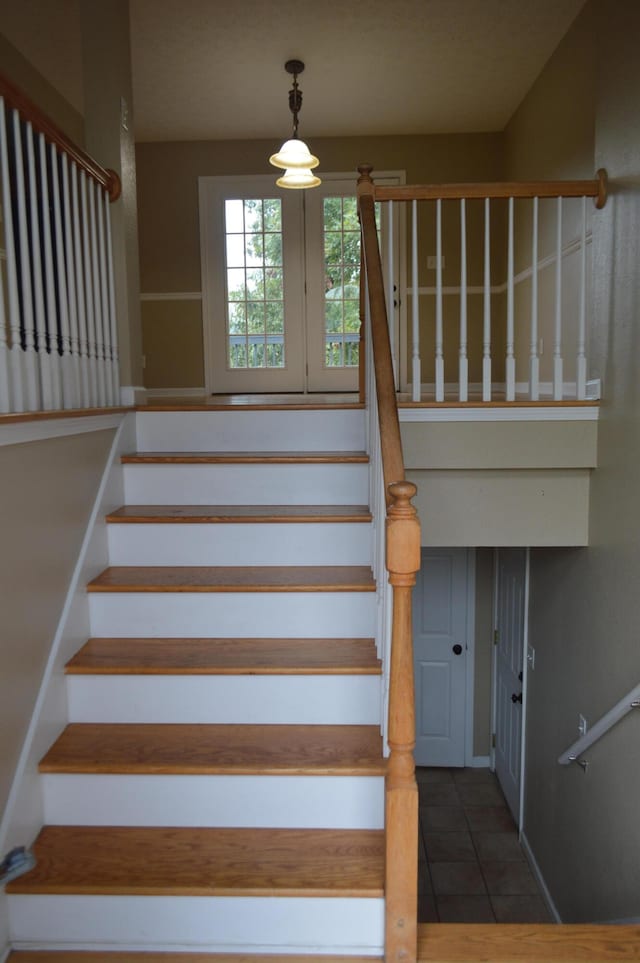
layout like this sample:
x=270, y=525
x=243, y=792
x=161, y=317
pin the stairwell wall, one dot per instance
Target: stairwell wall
x=585, y=607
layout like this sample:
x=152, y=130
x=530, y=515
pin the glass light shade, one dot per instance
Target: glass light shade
x=298, y=179
x=294, y=154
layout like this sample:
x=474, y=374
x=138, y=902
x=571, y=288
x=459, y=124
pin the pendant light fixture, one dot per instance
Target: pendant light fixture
x=294, y=156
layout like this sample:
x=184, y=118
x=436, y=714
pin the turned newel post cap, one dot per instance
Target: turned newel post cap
x=365, y=181
x=603, y=188
x=402, y=492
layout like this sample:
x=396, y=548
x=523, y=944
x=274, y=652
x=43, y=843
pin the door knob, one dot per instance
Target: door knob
x=457, y=648
x=516, y=698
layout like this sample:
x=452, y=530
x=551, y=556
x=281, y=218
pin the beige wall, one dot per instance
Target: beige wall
x=47, y=492
x=18, y=69
x=585, y=605
x=170, y=236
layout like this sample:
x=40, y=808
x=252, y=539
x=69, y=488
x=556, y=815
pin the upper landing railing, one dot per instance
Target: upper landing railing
x=498, y=287
x=58, y=335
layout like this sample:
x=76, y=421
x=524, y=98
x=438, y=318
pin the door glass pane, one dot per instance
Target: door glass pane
x=255, y=283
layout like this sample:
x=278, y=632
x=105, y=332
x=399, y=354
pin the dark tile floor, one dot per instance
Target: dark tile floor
x=471, y=868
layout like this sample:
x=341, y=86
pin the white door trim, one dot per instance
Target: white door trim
x=525, y=672
x=471, y=649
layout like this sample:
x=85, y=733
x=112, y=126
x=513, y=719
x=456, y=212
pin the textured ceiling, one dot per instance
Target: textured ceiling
x=213, y=69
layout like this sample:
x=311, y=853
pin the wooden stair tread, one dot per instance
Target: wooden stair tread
x=205, y=862
x=526, y=942
x=245, y=578
x=226, y=657
x=110, y=956
x=217, y=749
x=245, y=457
x=220, y=514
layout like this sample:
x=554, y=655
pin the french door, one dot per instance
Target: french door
x=280, y=276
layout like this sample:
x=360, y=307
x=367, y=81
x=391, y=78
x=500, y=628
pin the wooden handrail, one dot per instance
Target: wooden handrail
x=30, y=112
x=392, y=462
x=596, y=188
x=402, y=548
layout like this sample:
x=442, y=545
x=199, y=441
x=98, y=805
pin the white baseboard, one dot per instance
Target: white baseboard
x=133, y=394
x=535, y=869
x=176, y=392
x=480, y=762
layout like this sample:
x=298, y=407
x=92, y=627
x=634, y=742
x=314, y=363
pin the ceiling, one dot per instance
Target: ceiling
x=214, y=69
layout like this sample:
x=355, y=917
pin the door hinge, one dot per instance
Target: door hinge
x=493, y=740
x=495, y=637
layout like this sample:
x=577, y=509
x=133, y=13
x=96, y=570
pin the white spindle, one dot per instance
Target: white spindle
x=72, y=288
x=534, y=360
x=510, y=359
x=581, y=361
x=89, y=303
x=12, y=285
x=83, y=331
x=29, y=360
x=104, y=300
x=97, y=303
x=557, y=335
x=486, y=332
x=43, y=366
x=52, y=359
x=115, y=374
x=66, y=362
x=463, y=362
x=416, y=375
x=439, y=332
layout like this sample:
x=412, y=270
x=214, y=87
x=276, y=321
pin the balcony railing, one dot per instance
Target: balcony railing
x=58, y=332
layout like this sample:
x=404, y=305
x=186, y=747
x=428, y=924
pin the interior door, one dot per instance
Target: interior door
x=252, y=281
x=509, y=668
x=441, y=642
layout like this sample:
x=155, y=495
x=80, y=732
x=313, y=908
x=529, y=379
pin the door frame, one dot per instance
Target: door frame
x=208, y=242
x=525, y=676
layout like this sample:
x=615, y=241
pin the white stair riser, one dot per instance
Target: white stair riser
x=175, y=484
x=236, y=430
x=320, y=802
x=240, y=544
x=191, y=923
x=232, y=614
x=250, y=699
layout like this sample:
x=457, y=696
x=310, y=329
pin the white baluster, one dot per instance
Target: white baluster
x=43, y=366
x=67, y=379
x=463, y=362
x=7, y=396
x=557, y=336
x=29, y=360
x=113, y=324
x=581, y=361
x=89, y=302
x=534, y=361
x=486, y=332
x=416, y=375
x=104, y=300
x=51, y=367
x=510, y=359
x=97, y=303
x=439, y=332
x=83, y=330
x=72, y=288
x=391, y=311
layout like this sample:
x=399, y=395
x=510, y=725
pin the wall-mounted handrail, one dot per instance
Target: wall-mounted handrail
x=16, y=98
x=396, y=561
x=601, y=727
x=596, y=188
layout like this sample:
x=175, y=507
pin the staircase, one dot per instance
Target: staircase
x=219, y=788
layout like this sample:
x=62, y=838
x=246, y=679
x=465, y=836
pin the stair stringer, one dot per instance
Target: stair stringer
x=23, y=816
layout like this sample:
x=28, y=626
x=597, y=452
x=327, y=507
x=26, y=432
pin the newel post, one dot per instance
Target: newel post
x=401, y=794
